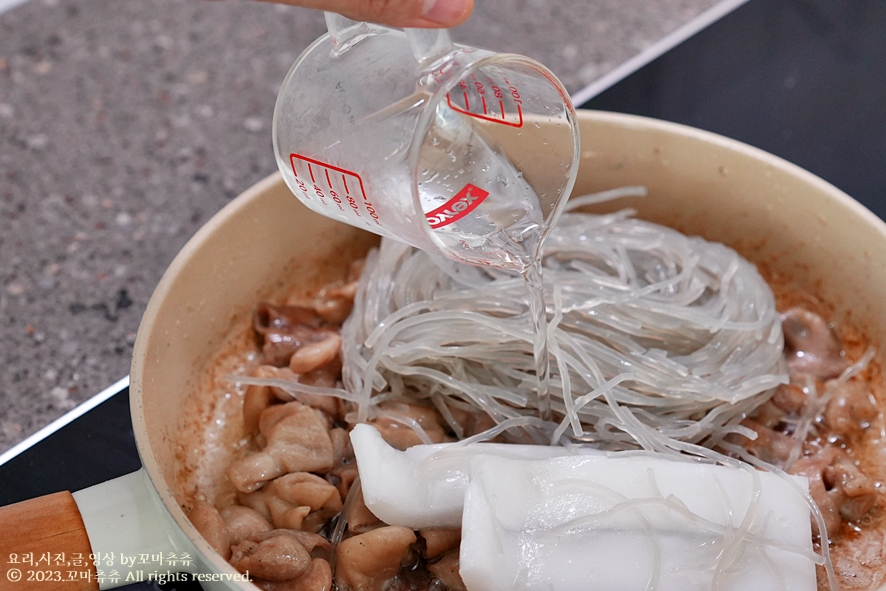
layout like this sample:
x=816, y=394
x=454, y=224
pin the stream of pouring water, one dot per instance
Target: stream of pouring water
x=501, y=221
x=535, y=287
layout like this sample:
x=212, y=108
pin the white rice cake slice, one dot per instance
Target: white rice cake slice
x=633, y=521
x=424, y=486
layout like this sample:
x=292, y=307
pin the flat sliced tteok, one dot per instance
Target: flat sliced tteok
x=424, y=486
x=630, y=522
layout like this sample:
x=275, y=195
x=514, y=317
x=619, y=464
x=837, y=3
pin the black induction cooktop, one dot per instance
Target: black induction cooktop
x=803, y=79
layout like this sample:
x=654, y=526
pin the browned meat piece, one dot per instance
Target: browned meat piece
x=446, y=570
x=283, y=330
x=841, y=491
x=244, y=523
x=277, y=557
x=360, y=518
x=439, y=541
x=212, y=527
x=402, y=436
x=367, y=562
x=810, y=345
x=297, y=441
x=851, y=409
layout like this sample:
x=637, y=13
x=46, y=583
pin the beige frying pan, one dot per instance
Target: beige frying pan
x=802, y=230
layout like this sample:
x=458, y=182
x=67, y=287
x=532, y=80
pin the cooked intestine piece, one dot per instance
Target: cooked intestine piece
x=439, y=541
x=360, y=518
x=275, y=556
x=315, y=544
x=790, y=398
x=283, y=330
x=788, y=401
x=771, y=446
x=344, y=470
x=851, y=409
x=269, y=506
x=296, y=501
x=626, y=521
x=424, y=485
x=244, y=522
x=326, y=376
x=318, y=577
x=334, y=302
x=810, y=345
x=258, y=398
x=470, y=423
x=394, y=422
x=841, y=491
x=446, y=570
x=368, y=562
x=316, y=355
x=212, y=527
x=309, y=490
x=297, y=441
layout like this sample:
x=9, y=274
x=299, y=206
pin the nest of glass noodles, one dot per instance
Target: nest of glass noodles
x=654, y=338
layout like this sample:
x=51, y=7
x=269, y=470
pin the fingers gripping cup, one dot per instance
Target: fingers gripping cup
x=442, y=146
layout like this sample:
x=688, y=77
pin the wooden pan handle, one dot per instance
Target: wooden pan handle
x=46, y=527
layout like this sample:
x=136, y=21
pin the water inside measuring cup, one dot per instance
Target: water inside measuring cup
x=477, y=203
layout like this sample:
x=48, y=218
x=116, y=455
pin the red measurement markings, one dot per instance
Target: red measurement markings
x=339, y=193
x=477, y=88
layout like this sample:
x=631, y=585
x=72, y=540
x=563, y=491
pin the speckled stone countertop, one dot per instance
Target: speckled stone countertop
x=124, y=126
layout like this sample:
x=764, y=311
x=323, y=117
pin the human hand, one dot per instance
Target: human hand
x=396, y=13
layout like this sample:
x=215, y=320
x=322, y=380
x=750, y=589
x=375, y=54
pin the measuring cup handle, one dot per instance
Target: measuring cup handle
x=429, y=45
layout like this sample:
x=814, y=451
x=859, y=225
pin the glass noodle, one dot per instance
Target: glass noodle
x=653, y=336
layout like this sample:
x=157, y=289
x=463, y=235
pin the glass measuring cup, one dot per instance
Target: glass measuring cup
x=442, y=146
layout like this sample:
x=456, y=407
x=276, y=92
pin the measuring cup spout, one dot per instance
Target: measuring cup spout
x=344, y=31
x=429, y=45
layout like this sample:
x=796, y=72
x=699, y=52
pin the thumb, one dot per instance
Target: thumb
x=396, y=13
